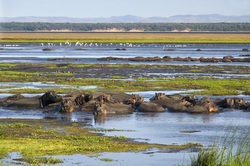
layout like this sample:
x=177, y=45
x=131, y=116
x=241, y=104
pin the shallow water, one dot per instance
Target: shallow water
x=33, y=53
x=163, y=128
x=149, y=158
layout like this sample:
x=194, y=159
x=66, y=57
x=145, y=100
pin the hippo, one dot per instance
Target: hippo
x=150, y=107
x=135, y=100
x=205, y=105
x=158, y=96
x=236, y=103
x=125, y=98
x=24, y=103
x=83, y=98
x=112, y=108
x=104, y=98
x=66, y=106
x=180, y=106
x=190, y=98
x=6, y=100
x=89, y=106
x=176, y=97
x=164, y=102
x=49, y=98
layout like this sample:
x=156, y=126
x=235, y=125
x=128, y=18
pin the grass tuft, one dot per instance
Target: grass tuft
x=234, y=151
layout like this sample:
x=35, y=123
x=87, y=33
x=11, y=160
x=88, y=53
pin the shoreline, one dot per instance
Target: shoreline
x=132, y=37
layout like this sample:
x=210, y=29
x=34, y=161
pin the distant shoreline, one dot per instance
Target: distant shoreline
x=127, y=37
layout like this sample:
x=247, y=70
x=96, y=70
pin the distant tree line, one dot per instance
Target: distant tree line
x=160, y=27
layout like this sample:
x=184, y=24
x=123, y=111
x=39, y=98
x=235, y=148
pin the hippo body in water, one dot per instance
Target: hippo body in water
x=205, y=105
x=150, y=107
x=112, y=108
x=22, y=102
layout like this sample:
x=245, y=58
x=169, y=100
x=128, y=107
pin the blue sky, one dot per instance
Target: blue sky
x=107, y=8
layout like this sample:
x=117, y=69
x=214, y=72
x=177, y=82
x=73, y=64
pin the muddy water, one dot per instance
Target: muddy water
x=162, y=128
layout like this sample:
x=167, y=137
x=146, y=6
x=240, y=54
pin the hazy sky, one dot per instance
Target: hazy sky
x=106, y=8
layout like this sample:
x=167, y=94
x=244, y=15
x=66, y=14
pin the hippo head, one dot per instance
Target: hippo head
x=238, y=103
x=135, y=100
x=83, y=98
x=190, y=98
x=211, y=106
x=104, y=98
x=229, y=102
x=100, y=109
x=49, y=98
x=205, y=100
x=158, y=96
x=185, y=103
x=79, y=100
x=66, y=106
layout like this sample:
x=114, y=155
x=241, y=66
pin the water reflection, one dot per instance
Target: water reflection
x=100, y=119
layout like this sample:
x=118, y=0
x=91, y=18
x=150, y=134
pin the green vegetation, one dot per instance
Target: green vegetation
x=231, y=153
x=39, y=160
x=148, y=27
x=33, y=138
x=67, y=74
x=107, y=159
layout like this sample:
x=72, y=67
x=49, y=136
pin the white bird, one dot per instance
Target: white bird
x=77, y=43
x=67, y=42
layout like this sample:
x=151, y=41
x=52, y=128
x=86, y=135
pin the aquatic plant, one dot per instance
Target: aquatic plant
x=233, y=152
x=107, y=159
x=41, y=160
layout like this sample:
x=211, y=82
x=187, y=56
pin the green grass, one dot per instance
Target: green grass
x=41, y=160
x=231, y=153
x=48, y=138
x=107, y=159
x=208, y=85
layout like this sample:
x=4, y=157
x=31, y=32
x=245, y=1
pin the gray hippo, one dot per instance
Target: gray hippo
x=162, y=100
x=176, y=97
x=150, y=107
x=205, y=105
x=104, y=98
x=236, y=103
x=124, y=98
x=158, y=96
x=49, y=97
x=112, y=108
x=24, y=103
x=89, y=106
x=6, y=100
x=134, y=100
x=83, y=98
x=66, y=106
x=180, y=106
